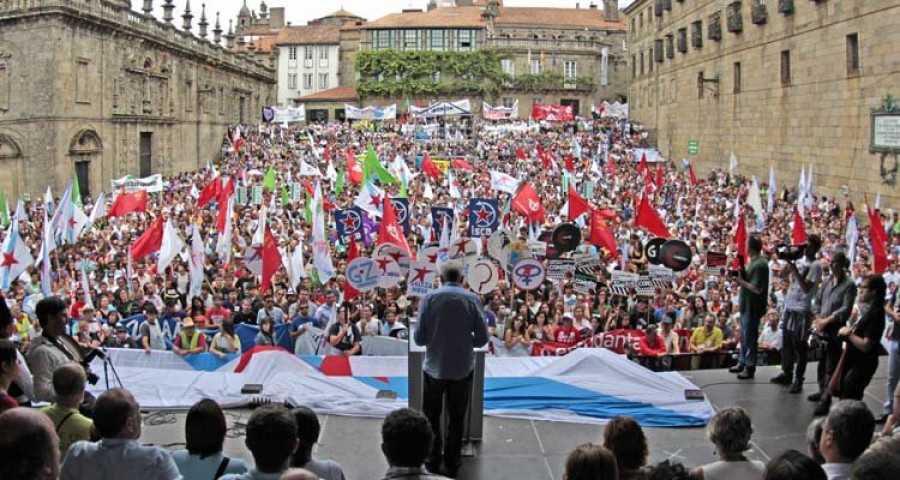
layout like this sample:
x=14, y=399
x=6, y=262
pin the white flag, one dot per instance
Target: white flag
x=86, y=285
x=80, y=221
x=454, y=186
x=198, y=258
x=48, y=243
x=852, y=237
x=99, y=210
x=20, y=214
x=369, y=199
x=732, y=163
x=307, y=170
x=223, y=244
x=259, y=234
x=503, y=182
x=171, y=246
x=294, y=265
x=754, y=199
x=771, y=190
x=321, y=252
x=878, y=201
x=16, y=257
x=428, y=194
x=809, y=182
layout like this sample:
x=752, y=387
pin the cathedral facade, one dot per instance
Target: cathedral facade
x=90, y=89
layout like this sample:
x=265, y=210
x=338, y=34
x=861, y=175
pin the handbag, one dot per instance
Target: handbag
x=837, y=378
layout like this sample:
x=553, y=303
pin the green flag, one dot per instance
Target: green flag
x=4, y=210
x=403, y=193
x=338, y=186
x=76, y=191
x=285, y=197
x=371, y=166
x=407, y=105
x=307, y=213
x=269, y=179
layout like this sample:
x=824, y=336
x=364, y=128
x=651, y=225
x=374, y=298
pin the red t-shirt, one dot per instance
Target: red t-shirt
x=567, y=335
x=7, y=402
x=658, y=346
x=216, y=316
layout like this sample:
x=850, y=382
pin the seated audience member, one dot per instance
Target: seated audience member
x=624, y=437
x=770, y=338
x=308, y=436
x=590, y=462
x=892, y=422
x=846, y=434
x=793, y=465
x=225, y=341
x=652, y=344
x=121, y=339
x=22, y=387
x=9, y=372
x=406, y=441
x=190, y=340
x=71, y=426
x=730, y=431
x=29, y=447
x=667, y=333
x=666, y=470
x=118, y=455
x=204, y=432
x=813, y=437
x=272, y=439
x=707, y=338
x=881, y=462
x=150, y=332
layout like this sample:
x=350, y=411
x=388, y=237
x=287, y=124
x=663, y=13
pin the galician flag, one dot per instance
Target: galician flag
x=321, y=253
x=16, y=257
x=198, y=258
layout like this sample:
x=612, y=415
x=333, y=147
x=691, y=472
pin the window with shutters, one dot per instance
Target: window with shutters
x=670, y=46
x=682, y=40
x=734, y=17
x=697, y=34
x=715, y=27
x=853, y=54
x=786, y=67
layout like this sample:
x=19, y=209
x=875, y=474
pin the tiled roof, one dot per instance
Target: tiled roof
x=310, y=35
x=345, y=93
x=261, y=30
x=461, y=17
x=556, y=17
x=341, y=13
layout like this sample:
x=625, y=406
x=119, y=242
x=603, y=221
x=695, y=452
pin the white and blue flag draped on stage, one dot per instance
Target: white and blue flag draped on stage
x=589, y=385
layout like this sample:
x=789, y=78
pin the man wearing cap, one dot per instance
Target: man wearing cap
x=120, y=339
x=190, y=340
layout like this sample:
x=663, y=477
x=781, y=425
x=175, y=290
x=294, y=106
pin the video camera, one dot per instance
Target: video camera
x=790, y=253
x=92, y=378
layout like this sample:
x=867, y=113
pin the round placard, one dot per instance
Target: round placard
x=395, y=252
x=676, y=255
x=497, y=245
x=528, y=274
x=389, y=274
x=653, y=250
x=566, y=237
x=483, y=277
x=362, y=274
x=463, y=247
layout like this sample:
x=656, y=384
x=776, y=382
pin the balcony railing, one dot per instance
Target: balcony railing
x=758, y=14
x=548, y=45
x=786, y=7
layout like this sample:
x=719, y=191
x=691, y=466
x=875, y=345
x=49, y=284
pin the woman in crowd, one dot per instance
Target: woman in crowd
x=624, y=437
x=307, y=437
x=863, y=338
x=730, y=431
x=225, y=341
x=204, y=432
x=516, y=338
x=793, y=465
x=541, y=330
x=9, y=372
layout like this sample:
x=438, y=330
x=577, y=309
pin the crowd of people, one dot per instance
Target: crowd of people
x=760, y=302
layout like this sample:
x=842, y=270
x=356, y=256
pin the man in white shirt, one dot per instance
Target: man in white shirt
x=771, y=338
x=845, y=436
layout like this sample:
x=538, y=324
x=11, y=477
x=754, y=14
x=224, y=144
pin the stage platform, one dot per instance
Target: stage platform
x=530, y=449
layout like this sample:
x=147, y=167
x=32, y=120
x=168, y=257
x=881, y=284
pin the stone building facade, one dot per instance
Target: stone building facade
x=93, y=90
x=787, y=83
x=582, y=46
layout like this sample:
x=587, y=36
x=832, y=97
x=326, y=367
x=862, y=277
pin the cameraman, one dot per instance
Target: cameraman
x=805, y=275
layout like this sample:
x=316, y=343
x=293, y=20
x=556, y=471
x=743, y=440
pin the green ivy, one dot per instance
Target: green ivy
x=411, y=73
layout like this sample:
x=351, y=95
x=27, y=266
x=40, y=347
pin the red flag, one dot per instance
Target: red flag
x=879, y=239
x=798, y=233
x=462, y=164
x=570, y=163
x=659, y=175
x=520, y=154
x=740, y=238
x=352, y=253
x=222, y=215
x=128, y=203
x=649, y=183
x=327, y=154
x=577, y=204
x=643, y=165
x=691, y=172
x=430, y=169
x=271, y=260
x=354, y=168
x=390, y=231
x=210, y=191
x=150, y=241
x=607, y=214
x=612, y=166
x=528, y=203
x=649, y=219
x=602, y=236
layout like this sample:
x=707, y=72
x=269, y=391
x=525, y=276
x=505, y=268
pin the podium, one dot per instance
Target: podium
x=474, y=424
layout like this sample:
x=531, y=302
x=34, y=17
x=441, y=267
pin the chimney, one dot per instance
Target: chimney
x=592, y=6
x=611, y=10
x=577, y=5
x=432, y=4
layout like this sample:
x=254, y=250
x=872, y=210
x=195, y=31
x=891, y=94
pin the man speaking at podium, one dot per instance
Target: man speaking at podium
x=451, y=325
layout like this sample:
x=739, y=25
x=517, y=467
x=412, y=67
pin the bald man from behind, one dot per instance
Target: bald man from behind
x=298, y=474
x=29, y=446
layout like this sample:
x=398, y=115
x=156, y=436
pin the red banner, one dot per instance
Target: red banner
x=547, y=111
x=614, y=340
